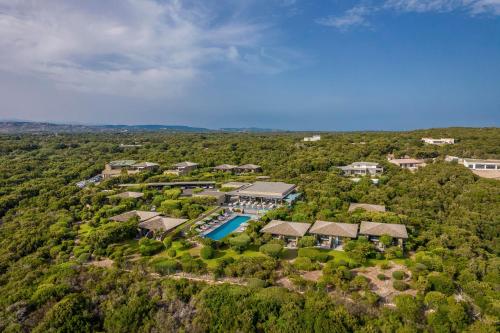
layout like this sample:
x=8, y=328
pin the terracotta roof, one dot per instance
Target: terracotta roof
x=334, y=229
x=285, y=228
x=379, y=229
x=127, y=195
x=141, y=214
x=367, y=207
x=161, y=223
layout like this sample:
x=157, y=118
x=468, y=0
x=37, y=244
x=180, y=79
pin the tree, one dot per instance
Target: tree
x=207, y=252
x=240, y=243
x=272, y=250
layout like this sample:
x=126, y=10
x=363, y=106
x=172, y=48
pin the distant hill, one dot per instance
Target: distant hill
x=10, y=127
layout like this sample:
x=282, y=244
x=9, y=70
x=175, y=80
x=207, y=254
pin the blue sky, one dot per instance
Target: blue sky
x=288, y=64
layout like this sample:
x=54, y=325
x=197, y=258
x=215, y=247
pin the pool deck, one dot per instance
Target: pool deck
x=231, y=217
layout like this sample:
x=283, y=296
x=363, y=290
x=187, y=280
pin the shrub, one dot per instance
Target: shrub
x=148, y=247
x=272, y=250
x=394, y=252
x=440, y=282
x=207, y=252
x=398, y=275
x=166, y=266
x=191, y=265
x=307, y=241
x=359, y=282
x=400, y=285
x=255, y=283
x=167, y=242
x=240, y=243
x=385, y=265
x=305, y=264
x=433, y=299
x=314, y=254
x=185, y=244
x=172, y=253
x=84, y=257
x=381, y=277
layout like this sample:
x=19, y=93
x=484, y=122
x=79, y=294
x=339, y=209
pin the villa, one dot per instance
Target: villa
x=158, y=226
x=332, y=234
x=226, y=168
x=249, y=168
x=182, y=168
x=486, y=168
x=290, y=232
x=141, y=215
x=362, y=168
x=264, y=192
x=440, y=141
x=373, y=231
x=312, y=138
x=408, y=163
x=366, y=207
x=128, y=195
x=116, y=168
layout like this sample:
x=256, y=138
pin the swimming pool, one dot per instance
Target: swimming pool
x=227, y=227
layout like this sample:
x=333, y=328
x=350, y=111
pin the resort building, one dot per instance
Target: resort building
x=128, y=195
x=290, y=232
x=373, y=231
x=220, y=197
x=182, y=185
x=249, y=168
x=333, y=234
x=158, y=226
x=141, y=215
x=268, y=192
x=408, y=163
x=440, y=141
x=182, y=168
x=312, y=138
x=226, y=168
x=366, y=207
x=116, y=168
x=362, y=169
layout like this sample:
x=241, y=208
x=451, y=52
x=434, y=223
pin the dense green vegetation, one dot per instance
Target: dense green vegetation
x=65, y=267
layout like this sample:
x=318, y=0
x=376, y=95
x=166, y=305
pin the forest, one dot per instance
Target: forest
x=66, y=267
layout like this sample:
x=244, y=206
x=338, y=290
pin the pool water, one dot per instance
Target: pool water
x=227, y=227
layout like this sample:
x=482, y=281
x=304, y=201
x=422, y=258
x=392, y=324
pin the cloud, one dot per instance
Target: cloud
x=355, y=16
x=123, y=47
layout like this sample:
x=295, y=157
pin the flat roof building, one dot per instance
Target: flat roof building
x=264, y=191
x=440, y=141
x=362, y=168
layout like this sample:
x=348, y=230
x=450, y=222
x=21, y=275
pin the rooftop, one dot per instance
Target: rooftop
x=367, y=207
x=209, y=193
x=379, y=229
x=225, y=167
x=185, y=164
x=141, y=214
x=406, y=161
x=474, y=160
x=145, y=165
x=161, y=223
x=249, y=166
x=235, y=184
x=334, y=229
x=122, y=163
x=265, y=189
x=285, y=228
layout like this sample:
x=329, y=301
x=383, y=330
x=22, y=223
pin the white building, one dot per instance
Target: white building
x=312, y=138
x=476, y=164
x=440, y=141
x=362, y=168
x=407, y=163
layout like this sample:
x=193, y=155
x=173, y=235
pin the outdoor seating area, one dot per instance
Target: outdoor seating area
x=212, y=222
x=253, y=204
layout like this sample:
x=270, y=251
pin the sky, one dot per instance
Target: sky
x=282, y=64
